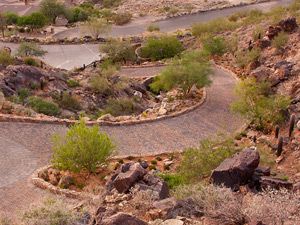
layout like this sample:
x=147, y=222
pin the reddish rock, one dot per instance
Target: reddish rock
x=238, y=170
x=122, y=219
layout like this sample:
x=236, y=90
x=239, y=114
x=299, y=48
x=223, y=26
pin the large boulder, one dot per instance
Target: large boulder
x=289, y=24
x=126, y=177
x=122, y=219
x=238, y=170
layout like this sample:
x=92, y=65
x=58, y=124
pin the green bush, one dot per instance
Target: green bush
x=243, y=59
x=215, y=45
x=161, y=48
x=122, y=18
x=35, y=20
x=153, y=27
x=72, y=83
x=280, y=40
x=173, y=180
x=256, y=103
x=121, y=106
x=30, y=49
x=100, y=84
x=31, y=62
x=43, y=106
x=192, y=69
x=119, y=51
x=69, y=102
x=50, y=212
x=77, y=14
x=23, y=94
x=82, y=148
x=198, y=163
x=11, y=18
x=5, y=58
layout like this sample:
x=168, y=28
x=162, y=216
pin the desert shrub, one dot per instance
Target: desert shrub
x=280, y=40
x=50, y=212
x=72, y=83
x=173, y=180
x=119, y=51
x=274, y=207
x=31, y=62
x=96, y=26
x=153, y=27
x=244, y=58
x=277, y=13
x=256, y=103
x=11, y=18
x=35, y=20
x=257, y=32
x=232, y=44
x=82, y=148
x=218, y=203
x=215, y=45
x=121, y=106
x=43, y=106
x=253, y=17
x=23, y=94
x=111, y=3
x=161, y=48
x=5, y=58
x=69, y=101
x=198, y=163
x=142, y=201
x=77, y=14
x=192, y=69
x=30, y=49
x=100, y=84
x=214, y=26
x=122, y=18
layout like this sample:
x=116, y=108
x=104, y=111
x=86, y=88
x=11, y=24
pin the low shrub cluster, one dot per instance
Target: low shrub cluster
x=43, y=106
x=280, y=40
x=244, y=58
x=161, y=48
x=5, y=58
x=120, y=106
x=70, y=102
x=122, y=18
x=153, y=27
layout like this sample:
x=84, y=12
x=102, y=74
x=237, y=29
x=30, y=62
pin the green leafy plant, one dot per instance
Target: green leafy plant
x=172, y=179
x=192, y=69
x=215, y=45
x=31, y=62
x=72, y=83
x=161, y=48
x=198, y=163
x=256, y=103
x=82, y=148
x=43, y=106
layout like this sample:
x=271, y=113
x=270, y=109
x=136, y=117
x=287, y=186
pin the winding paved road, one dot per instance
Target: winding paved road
x=25, y=147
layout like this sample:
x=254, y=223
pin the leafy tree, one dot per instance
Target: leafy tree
x=96, y=26
x=81, y=148
x=119, y=51
x=256, y=103
x=192, y=69
x=30, y=49
x=11, y=18
x=161, y=48
x=52, y=9
x=35, y=20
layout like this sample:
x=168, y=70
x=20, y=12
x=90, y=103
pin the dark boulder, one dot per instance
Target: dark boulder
x=126, y=177
x=238, y=170
x=289, y=24
x=274, y=183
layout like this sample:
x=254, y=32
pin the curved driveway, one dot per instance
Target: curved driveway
x=25, y=146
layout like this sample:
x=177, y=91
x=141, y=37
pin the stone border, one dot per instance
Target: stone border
x=41, y=183
x=53, y=120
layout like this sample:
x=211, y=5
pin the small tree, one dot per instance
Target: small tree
x=192, y=69
x=96, y=26
x=81, y=148
x=52, y=9
x=256, y=103
x=30, y=49
x=119, y=51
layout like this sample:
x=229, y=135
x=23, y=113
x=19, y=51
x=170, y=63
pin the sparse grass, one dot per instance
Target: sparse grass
x=68, y=101
x=100, y=84
x=243, y=59
x=72, y=83
x=121, y=106
x=280, y=40
x=153, y=27
x=5, y=58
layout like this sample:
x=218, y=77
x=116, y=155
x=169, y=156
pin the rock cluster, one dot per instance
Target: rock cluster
x=134, y=175
x=242, y=169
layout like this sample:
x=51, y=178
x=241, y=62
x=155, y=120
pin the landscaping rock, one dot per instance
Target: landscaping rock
x=127, y=177
x=238, y=170
x=121, y=219
x=298, y=125
x=263, y=171
x=274, y=183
